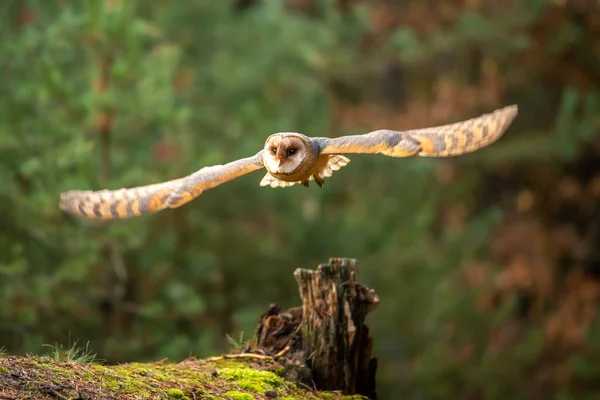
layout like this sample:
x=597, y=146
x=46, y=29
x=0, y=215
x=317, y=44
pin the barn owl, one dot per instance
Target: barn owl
x=291, y=158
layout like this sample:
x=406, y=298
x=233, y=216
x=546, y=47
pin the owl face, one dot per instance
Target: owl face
x=285, y=153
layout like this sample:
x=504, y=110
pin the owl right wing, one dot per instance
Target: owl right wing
x=438, y=141
x=130, y=202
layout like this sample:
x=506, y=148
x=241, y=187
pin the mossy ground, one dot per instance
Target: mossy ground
x=41, y=378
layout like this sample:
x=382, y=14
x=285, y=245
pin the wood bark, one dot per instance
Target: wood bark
x=324, y=343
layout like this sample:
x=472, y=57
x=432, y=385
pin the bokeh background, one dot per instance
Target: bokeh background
x=487, y=265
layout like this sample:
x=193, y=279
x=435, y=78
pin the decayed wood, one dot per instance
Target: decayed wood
x=325, y=343
x=335, y=337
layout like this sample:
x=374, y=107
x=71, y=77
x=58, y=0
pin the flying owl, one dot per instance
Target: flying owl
x=291, y=158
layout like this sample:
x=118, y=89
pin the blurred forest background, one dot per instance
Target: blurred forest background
x=487, y=265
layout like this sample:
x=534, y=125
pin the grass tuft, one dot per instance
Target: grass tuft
x=236, y=343
x=76, y=354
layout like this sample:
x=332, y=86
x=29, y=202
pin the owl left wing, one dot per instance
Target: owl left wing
x=130, y=202
x=439, y=141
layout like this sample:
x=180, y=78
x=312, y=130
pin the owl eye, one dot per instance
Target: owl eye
x=291, y=151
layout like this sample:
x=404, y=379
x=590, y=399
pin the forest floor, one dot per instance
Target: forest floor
x=32, y=377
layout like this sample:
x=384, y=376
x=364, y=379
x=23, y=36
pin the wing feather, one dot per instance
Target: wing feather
x=130, y=202
x=439, y=141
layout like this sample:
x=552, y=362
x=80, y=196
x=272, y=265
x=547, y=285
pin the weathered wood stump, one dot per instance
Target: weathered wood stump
x=325, y=343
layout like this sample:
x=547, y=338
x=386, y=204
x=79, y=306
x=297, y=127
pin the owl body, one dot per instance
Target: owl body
x=291, y=158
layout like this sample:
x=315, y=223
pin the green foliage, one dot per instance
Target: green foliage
x=123, y=93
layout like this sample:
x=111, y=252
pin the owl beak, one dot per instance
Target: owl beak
x=280, y=156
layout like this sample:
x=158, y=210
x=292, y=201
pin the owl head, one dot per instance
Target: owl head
x=285, y=152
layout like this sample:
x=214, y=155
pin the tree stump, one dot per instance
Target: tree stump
x=325, y=343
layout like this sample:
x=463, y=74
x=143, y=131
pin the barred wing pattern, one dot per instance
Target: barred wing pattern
x=440, y=141
x=130, y=202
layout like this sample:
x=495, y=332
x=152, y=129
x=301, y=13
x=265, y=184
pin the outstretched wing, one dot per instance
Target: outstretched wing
x=440, y=141
x=124, y=203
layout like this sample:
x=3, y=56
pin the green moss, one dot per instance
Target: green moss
x=58, y=368
x=142, y=379
x=161, y=373
x=160, y=380
x=255, y=387
x=335, y=396
x=86, y=375
x=239, y=395
x=176, y=394
x=251, y=379
x=125, y=384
